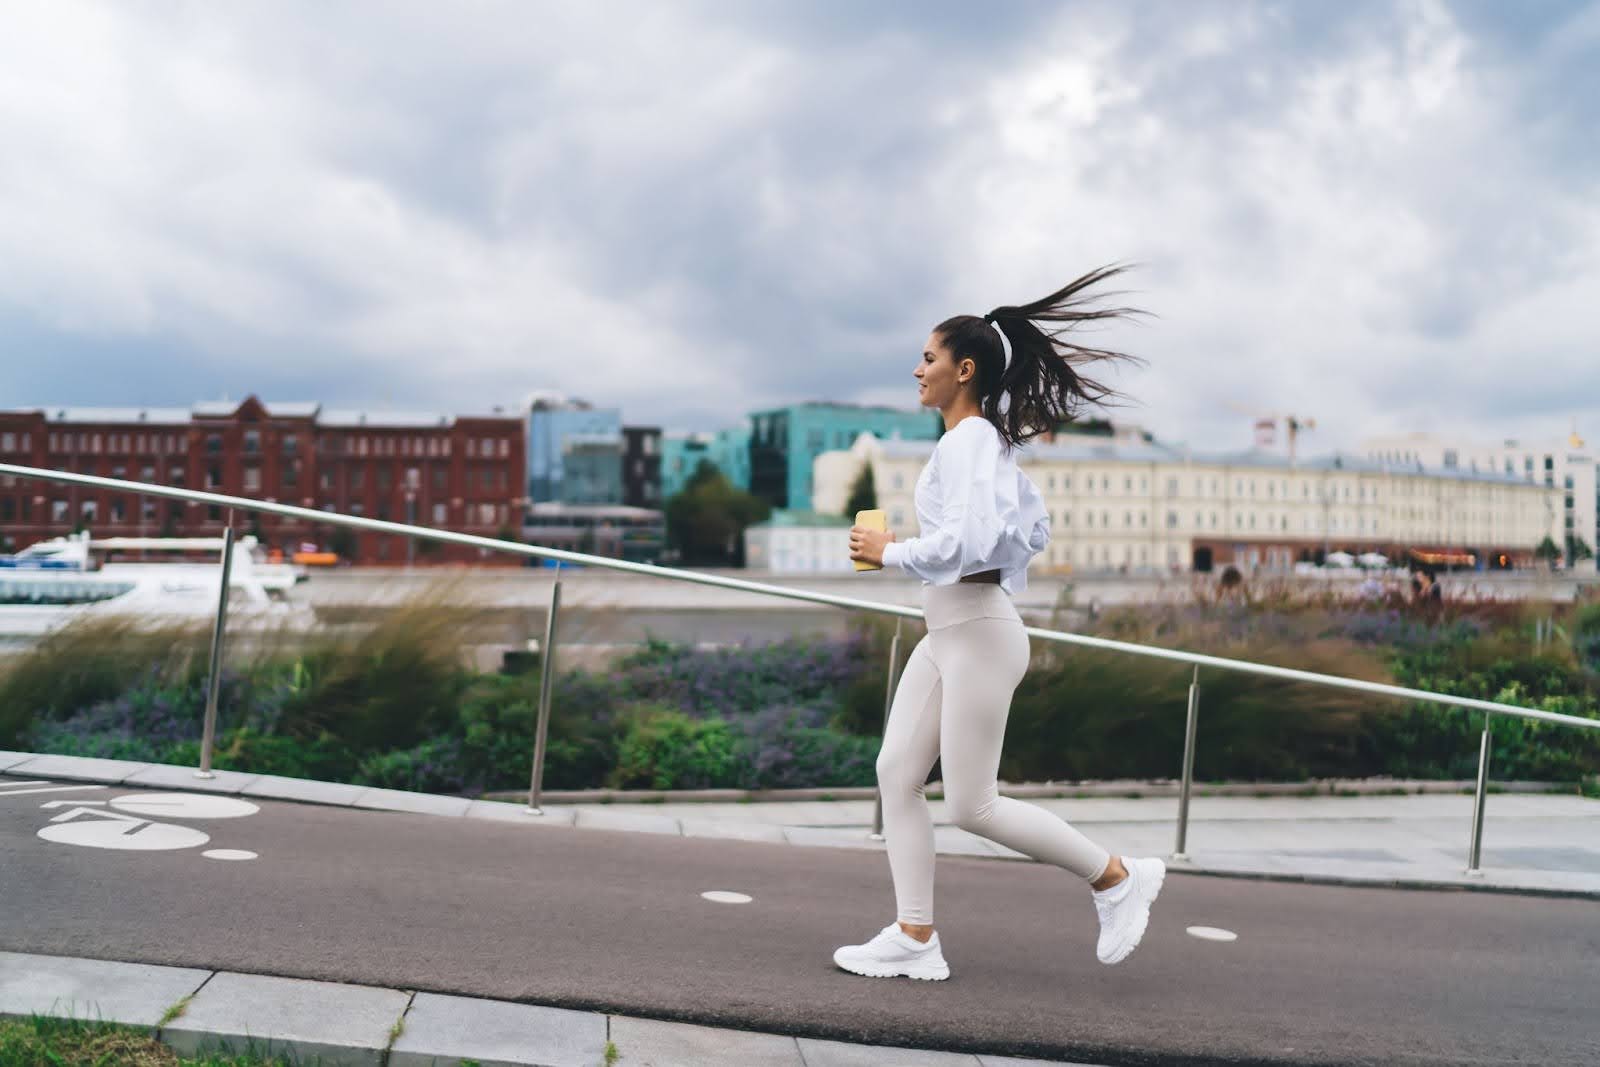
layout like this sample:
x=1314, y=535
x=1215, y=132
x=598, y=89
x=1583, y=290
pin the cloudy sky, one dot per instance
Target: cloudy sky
x=1385, y=216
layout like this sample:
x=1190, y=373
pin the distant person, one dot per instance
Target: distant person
x=981, y=521
x=1231, y=580
x=1425, y=587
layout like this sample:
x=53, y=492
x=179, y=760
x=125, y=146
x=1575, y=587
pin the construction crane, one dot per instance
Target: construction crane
x=1293, y=425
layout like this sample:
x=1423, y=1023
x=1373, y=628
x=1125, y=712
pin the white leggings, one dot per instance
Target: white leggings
x=952, y=703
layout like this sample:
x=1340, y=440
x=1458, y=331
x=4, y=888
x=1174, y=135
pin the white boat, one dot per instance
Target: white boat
x=55, y=581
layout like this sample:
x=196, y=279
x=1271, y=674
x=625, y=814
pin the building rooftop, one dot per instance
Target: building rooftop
x=411, y=420
x=171, y=416
x=1111, y=451
x=131, y=416
x=801, y=517
x=554, y=510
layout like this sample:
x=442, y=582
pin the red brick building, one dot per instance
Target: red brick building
x=455, y=472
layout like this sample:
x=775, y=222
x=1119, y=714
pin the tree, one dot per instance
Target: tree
x=863, y=494
x=1547, y=551
x=707, y=520
x=1578, y=549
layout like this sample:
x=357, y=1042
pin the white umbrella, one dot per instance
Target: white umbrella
x=1340, y=559
x=1373, y=559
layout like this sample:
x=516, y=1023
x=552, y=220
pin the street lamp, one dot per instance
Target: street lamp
x=411, y=514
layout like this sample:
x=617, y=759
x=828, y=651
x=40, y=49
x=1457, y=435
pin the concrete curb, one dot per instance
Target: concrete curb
x=340, y=1024
x=334, y=794
x=1131, y=789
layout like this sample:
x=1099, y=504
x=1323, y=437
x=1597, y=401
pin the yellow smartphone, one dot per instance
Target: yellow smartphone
x=873, y=519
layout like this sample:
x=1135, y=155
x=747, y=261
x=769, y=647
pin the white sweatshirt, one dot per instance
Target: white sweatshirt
x=977, y=512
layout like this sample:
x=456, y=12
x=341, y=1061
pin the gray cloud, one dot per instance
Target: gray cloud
x=1373, y=213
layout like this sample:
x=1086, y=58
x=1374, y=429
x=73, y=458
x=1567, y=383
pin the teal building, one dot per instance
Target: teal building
x=785, y=441
x=728, y=449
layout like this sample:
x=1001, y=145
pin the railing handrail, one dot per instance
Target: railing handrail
x=517, y=548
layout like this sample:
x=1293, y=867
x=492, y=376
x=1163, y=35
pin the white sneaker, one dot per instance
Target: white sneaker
x=1122, y=921
x=894, y=952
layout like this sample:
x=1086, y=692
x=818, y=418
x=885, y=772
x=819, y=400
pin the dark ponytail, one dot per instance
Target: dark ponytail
x=1043, y=380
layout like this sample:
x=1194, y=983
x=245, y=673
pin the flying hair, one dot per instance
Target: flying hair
x=1044, y=383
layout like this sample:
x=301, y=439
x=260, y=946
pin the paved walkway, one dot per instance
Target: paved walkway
x=196, y=1011
x=1540, y=843
x=1531, y=842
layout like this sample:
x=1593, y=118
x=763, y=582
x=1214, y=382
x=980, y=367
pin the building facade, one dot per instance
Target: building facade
x=785, y=442
x=1142, y=507
x=728, y=450
x=1569, y=465
x=799, y=542
x=563, y=433
x=614, y=530
x=641, y=466
x=461, y=473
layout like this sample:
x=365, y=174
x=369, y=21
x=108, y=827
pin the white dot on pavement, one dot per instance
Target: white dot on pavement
x=1212, y=933
x=722, y=896
x=228, y=854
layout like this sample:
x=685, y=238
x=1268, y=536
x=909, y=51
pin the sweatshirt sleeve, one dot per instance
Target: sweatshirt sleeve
x=969, y=537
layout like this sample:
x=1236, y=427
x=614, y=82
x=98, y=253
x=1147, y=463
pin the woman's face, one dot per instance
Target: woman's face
x=941, y=378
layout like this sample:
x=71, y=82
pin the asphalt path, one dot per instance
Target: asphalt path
x=615, y=922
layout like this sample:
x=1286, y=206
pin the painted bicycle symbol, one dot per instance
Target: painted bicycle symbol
x=128, y=825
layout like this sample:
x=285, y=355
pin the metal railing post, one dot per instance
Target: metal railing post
x=1179, y=853
x=888, y=702
x=1478, y=798
x=214, y=672
x=547, y=662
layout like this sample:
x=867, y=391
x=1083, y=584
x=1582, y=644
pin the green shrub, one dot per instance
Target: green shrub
x=666, y=749
x=390, y=688
x=91, y=659
x=1586, y=635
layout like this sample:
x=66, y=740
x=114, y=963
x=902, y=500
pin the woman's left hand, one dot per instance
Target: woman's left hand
x=867, y=545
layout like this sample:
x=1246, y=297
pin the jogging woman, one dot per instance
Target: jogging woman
x=997, y=380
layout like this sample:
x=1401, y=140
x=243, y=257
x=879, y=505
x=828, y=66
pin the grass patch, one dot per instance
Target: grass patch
x=611, y=1053
x=176, y=1010
x=47, y=1042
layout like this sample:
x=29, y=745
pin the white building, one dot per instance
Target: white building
x=1140, y=506
x=800, y=542
x=1568, y=465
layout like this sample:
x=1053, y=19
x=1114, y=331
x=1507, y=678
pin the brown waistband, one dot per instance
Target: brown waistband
x=984, y=576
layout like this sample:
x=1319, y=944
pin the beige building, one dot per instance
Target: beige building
x=1139, y=506
x=1568, y=465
